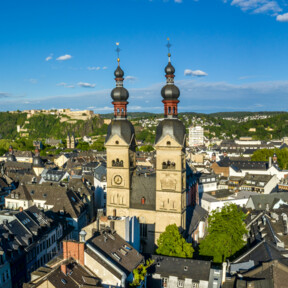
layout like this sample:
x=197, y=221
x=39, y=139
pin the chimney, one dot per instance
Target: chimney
x=64, y=268
x=224, y=266
x=270, y=162
x=75, y=250
x=82, y=236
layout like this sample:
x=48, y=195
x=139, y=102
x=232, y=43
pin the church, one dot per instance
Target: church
x=159, y=199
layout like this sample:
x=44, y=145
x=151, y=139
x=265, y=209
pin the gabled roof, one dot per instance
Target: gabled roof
x=116, y=249
x=196, y=270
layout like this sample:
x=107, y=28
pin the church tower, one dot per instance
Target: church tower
x=120, y=145
x=170, y=146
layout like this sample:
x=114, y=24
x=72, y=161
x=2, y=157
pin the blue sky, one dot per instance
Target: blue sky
x=229, y=55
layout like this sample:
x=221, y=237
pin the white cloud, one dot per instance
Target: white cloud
x=282, y=18
x=63, y=84
x=49, y=57
x=93, y=68
x=104, y=68
x=86, y=85
x=64, y=57
x=130, y=78
x=178, y=1
x=258, y=6
x=197, y=73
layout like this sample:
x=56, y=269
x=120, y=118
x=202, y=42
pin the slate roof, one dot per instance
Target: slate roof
x=27, y=227
x=142, y=186
x=181, y=268
x=59, y=197
x=172, y=127
x=77, y=276
x=198, y=214
x=121, y=127
x=260, y=201
x=18, y=165
x=261, y=252
x=100, y=172
x=127, y=258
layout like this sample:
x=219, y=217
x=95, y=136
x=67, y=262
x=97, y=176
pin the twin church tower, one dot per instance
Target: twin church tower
x=157, y=200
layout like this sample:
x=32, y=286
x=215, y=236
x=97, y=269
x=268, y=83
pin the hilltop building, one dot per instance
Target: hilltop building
x=158, y=199
x=196, y=136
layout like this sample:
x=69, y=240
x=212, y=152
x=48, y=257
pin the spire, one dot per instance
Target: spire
x=119, y=94
x=170, y=92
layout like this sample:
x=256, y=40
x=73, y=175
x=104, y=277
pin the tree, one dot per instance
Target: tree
x=140, y=273
x=264, y=154
x=171, y=243
x=225, y=233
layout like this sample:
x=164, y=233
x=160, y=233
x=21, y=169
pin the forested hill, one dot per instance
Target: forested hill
x=48, y=126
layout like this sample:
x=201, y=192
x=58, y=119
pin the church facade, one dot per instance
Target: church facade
x=160, y=199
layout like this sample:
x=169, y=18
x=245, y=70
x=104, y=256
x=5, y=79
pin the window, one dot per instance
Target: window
x=180, y=283
x=143, y=230
x=164, y=282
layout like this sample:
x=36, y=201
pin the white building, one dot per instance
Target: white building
x=196, y=136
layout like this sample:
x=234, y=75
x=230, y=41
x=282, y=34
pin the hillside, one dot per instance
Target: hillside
x=48, y=126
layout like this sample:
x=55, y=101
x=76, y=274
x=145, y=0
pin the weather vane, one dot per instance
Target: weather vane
x=168, y=45
x=118, y=51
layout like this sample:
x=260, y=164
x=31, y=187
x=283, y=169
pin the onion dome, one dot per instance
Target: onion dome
x=169, y=69
x=119, y=94
x=119, y=73
x=170, y=92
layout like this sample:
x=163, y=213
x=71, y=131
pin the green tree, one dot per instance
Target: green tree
x=264, y=154
x=140, y=273
x=146, y=148
x=171, y=243
x=225, y=233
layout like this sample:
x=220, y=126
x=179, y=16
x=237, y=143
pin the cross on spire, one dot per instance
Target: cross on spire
x=118, y=52
x=168, y=45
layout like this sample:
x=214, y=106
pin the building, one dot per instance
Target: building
x=71, y=143
x=160, y=195
x=174, y=272
x=105, y=260
x=62, y=201
x=28, y=242
x=196, y=136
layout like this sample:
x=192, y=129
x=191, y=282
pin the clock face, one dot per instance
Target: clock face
x=118, y=179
